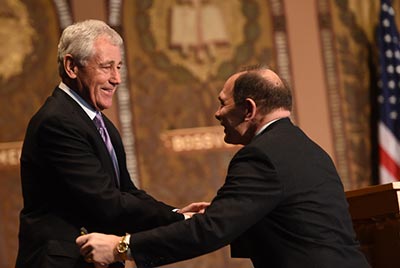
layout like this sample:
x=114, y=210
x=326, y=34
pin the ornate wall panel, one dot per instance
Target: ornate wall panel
x=167, y=100
x=178, y=55
x=28, y=72
x=349, y=47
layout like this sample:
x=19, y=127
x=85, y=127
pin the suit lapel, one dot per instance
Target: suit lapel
x=80, y=117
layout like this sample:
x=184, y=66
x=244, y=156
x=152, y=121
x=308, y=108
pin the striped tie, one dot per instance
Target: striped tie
x=98, y=121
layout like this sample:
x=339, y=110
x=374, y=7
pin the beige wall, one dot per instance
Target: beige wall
x=307, y=71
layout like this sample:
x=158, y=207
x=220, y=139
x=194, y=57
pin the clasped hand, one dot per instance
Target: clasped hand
x=194, y=208
x=101, y=248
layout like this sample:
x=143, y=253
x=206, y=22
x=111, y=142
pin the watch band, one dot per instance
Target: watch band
x=123, y=247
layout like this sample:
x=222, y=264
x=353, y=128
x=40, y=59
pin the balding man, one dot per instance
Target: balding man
x=282, y=204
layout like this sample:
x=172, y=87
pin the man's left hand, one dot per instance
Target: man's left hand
x=99, y=248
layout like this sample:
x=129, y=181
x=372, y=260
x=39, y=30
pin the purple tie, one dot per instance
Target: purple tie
x=98, y=121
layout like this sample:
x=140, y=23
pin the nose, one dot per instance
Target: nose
x=115, y=78
x=217, y=115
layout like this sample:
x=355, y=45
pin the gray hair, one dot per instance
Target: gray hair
x=78, y=39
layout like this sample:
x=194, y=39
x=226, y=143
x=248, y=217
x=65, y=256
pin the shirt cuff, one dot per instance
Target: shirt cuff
x=184, y=215
x=128, y=252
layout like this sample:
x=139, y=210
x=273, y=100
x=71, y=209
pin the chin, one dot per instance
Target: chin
x=230, y=141
x=238, y=140
x=105, y=106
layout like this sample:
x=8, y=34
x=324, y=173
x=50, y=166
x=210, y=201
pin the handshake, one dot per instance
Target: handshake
x=103, y=249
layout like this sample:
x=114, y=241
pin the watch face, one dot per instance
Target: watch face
x=122, y=247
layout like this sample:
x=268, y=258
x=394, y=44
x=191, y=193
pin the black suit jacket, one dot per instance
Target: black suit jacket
x=68, y=182
x=282, y=205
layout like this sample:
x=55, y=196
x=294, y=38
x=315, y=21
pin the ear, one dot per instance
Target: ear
x=251, y=109
x=69, y=66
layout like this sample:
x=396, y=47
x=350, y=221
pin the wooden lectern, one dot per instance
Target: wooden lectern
x=375, y=211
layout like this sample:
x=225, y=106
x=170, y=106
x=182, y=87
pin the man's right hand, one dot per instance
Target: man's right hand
x=99, y=248
x=194, y=208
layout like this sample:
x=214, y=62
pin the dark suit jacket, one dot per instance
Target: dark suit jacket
x=68, y=181
x=282, y=205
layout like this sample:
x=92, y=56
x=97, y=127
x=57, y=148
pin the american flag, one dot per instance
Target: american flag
x=389, y=98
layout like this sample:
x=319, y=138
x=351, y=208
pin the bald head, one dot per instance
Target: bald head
x=272, y=77
x=263, y=86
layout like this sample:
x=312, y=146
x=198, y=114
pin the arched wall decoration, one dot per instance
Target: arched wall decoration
x=349, y=49
x=124, y=99
x=280, y=39
x=64, y=13
x=281, y=45
x=335, y=106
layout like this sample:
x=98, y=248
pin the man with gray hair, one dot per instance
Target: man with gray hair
x=73, y=165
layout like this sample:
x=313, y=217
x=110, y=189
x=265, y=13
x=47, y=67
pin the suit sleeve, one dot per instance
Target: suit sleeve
x=250, y=191
x=78, y=162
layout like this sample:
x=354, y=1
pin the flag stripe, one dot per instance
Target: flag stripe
x=388, y=163
x=386, y=177
x=389, y=143
x=389, y=97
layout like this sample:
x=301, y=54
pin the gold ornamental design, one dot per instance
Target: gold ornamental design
x=17, y=36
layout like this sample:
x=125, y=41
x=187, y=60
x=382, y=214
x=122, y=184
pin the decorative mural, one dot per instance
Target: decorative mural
x=28, y=72
x=178, y=55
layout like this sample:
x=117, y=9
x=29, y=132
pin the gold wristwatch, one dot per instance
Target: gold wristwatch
x=123, y=246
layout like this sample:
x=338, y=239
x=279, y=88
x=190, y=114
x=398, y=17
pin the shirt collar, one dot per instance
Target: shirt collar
x=85, y=106
x=267, y=125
